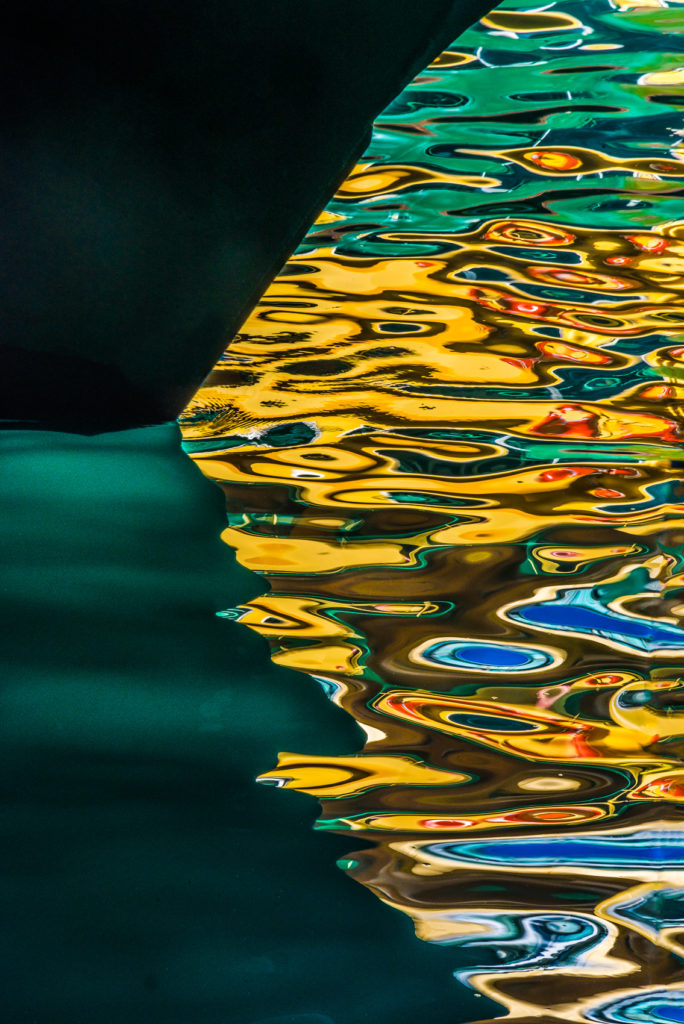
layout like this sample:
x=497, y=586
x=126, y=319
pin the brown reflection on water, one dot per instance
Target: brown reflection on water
x=454, y=455
x=492, y=588
x=379, y=566
x=557, y=942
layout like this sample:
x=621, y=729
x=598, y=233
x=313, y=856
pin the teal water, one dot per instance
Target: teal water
x=144, y=877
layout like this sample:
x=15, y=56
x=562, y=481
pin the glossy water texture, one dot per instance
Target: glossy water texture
x=451, y=440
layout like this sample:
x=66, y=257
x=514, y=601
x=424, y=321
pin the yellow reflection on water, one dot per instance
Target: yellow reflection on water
x=454, y=455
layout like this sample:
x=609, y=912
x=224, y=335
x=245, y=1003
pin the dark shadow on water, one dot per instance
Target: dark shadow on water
x=144, y=876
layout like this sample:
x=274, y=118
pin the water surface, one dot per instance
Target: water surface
x=450, y=439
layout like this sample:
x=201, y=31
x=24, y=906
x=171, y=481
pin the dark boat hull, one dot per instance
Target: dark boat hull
x=160, y=164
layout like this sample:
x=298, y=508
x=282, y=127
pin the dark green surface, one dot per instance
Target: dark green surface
x=144, y=875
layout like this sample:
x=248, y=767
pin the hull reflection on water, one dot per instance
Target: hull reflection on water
x=450, y=438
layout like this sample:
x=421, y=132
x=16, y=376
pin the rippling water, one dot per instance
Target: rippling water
x=450, y=438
